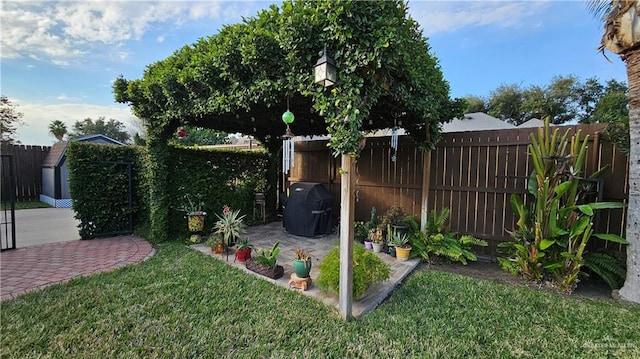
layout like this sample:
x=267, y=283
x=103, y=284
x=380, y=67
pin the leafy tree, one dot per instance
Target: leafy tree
x=624, y=40
x=112, y=128
x=505, y=103
x=475, y=104
x=589, y=93
x=9, y=117
x=556, y=100
x=612, y=108
x=58, y=129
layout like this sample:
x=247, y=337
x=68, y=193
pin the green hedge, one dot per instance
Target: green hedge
x=215, y=178
x=98, y=187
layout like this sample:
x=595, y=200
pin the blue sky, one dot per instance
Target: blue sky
x=59, y=58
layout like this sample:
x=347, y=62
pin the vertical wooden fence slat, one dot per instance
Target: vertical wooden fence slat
x=474, y=174
x=28, y=175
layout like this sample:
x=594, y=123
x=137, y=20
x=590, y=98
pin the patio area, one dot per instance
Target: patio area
x=265, y=236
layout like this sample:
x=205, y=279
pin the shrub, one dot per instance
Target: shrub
x=550, y=239
x=438, y=240
x=368, y=269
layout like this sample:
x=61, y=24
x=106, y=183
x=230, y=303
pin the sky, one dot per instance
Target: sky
x=60, y=58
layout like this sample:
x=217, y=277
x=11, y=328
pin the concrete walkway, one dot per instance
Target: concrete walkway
x=27, y=269
x=43, y=225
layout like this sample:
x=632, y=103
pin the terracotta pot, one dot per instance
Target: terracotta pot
x=219, y=248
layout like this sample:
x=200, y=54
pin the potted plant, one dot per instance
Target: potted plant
x=265, y=262
x=230, y=225
x=391, y=247
x=194, y=214
x=376, y=238
x=370, y=225
x=301, y=262
x=396, y=218
x=243, y=250
x=400, y=242
x=360, y=231
x=216, y=244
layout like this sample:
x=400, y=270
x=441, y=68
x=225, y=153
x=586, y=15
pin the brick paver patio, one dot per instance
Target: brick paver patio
x=31, y=268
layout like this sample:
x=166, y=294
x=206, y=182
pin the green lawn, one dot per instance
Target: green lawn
x=183, y=304
x=25, y=205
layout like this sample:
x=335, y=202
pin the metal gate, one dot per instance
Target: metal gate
x=8, y=213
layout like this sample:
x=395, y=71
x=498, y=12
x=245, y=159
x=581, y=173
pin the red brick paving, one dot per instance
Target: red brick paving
x=31, y=268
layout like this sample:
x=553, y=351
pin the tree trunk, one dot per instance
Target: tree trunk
x=631, y=289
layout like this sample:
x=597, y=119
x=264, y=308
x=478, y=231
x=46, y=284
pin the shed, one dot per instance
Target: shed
x=55, y=173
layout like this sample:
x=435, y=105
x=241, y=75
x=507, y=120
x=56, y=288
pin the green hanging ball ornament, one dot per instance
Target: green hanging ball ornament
x=288, y=117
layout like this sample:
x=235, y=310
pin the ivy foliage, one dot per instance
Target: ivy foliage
x=211, y=177
x=214, y=178
x=240, y=79
x=98, y=183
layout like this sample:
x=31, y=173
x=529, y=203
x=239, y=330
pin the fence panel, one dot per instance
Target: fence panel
x=28, y=171
x=474, y=174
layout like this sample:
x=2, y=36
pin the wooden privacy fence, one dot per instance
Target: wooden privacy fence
x=472, y=173
x=27, y=165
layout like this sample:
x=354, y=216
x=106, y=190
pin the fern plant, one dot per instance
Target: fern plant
x=437, y=240
x=606, y=267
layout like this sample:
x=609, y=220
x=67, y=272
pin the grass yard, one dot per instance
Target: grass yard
x=24, y=205
x=183, y=304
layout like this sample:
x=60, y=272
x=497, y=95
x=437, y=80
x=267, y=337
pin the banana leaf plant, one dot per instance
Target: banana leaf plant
x=550, y=238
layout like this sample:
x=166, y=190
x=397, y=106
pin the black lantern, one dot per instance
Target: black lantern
x=325, y=70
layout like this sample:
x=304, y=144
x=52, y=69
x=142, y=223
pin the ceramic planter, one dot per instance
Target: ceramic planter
x=377, y=247
x=195, y=221
x=391, y=250
x=243, y=254
x=368, y=245
x=302, y=267
x=402, y=253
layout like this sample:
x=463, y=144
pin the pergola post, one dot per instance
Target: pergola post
x=426, y=183
x=347, y=211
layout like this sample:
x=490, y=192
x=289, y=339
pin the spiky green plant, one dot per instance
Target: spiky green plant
x=550, y=240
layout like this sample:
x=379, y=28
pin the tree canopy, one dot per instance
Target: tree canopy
x=9, y=118
x=112, y=128
x=564, y=99
x=243, y=78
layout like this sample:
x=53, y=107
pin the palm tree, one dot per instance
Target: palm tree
x=58, y=129
x=622, y=37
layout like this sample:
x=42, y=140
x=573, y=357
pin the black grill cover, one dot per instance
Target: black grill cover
x=307, y=211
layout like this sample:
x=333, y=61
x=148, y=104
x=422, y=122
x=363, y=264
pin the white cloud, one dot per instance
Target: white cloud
x=37, y=118
x=436, y=17
x=62, y=32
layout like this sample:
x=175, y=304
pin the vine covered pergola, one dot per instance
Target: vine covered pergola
x=244, y=78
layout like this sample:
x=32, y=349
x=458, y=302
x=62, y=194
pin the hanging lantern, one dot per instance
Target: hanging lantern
x=182, y=133
x=288, y=117
x=325, y=70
